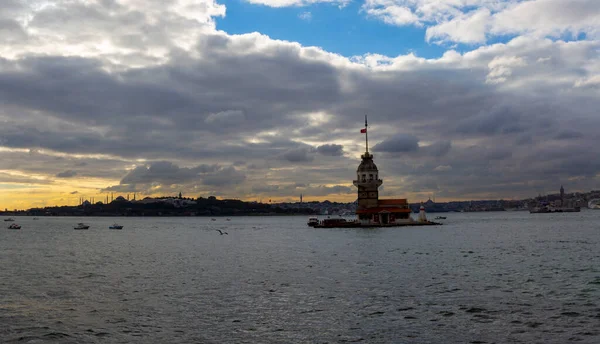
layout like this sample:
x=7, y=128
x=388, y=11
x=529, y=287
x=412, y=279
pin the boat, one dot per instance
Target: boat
x=82, y=226
x=440, y=217
x=334, y=223
x=228, y=219
x=549, y=209
x=313, y=221
x=14, y=226
x=213, y=219
x=115, y=226
x=9, y=220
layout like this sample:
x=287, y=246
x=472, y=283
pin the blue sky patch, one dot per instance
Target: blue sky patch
x=346, y=31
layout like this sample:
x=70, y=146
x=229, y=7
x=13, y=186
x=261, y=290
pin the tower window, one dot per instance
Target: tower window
x=370, y=177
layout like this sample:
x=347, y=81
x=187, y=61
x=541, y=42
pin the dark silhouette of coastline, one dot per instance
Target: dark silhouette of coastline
x=210, y=206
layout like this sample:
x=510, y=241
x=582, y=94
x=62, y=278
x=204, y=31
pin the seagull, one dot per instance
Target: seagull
x=218, y=230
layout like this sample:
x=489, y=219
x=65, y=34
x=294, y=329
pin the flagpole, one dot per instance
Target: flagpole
x=366, y=135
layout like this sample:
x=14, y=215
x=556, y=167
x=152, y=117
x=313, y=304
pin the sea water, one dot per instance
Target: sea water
x=504, y=277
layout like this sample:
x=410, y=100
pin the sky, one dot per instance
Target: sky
x=265, y=99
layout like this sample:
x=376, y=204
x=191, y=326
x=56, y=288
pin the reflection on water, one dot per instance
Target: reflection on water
x=480, y=278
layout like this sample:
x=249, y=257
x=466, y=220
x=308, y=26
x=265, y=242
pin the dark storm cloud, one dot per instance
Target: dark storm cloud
x=331, y=150
x=568, y=135
x=166, y=173
x=495, y=120
x=78, y=89
x=400, y=143
x=224, y=177
x=295, y=155
x=66, y=174
x=436, y=149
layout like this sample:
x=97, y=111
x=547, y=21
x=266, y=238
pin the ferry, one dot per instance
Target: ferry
x=313, y=221
x=550, y=209
x=82, y=226
x=14, y=226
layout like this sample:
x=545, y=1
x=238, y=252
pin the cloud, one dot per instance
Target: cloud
x=164, y=174
x=476, y=21
x=230, y=117
x=436, y=149
x=400, y=143
x=468, y=27
x=390, y=12
x=150, y=96
x=331, y=150
x=301, y=154
x=66, y=174
x=306, y=16
x=443, y=168
x=225, y=176
x=568, y=135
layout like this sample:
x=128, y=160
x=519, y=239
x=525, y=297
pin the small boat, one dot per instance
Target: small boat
x=14, y=226
x=82, y=226
x=115, y=226
x=335, y=223
x=313, y=221
x=228, y=219
x=213, y=219
x=9, y=220
x=440, y=217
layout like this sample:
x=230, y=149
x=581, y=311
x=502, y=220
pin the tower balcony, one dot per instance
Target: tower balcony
x=368, y=182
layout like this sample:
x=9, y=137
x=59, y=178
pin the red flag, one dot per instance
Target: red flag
x=363, y=131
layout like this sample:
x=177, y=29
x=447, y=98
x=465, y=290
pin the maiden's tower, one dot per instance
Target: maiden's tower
x=371, y=210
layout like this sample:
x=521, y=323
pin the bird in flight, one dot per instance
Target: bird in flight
x=218, y=230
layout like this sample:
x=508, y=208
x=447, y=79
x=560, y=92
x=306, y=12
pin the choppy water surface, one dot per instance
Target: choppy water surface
x=509, y=277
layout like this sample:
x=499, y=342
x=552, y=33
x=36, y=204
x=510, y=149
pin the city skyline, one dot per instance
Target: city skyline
x=265, y=99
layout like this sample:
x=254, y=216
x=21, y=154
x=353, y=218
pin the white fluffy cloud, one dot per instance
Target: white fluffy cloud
x=474, y=21
x=131, y=32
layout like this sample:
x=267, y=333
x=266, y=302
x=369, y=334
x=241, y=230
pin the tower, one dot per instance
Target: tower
x=422, y=215
x=367, y=178
x=562, y=196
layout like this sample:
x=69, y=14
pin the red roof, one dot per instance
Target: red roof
x=398, y=201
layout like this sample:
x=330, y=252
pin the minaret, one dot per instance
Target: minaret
x=367, y=181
